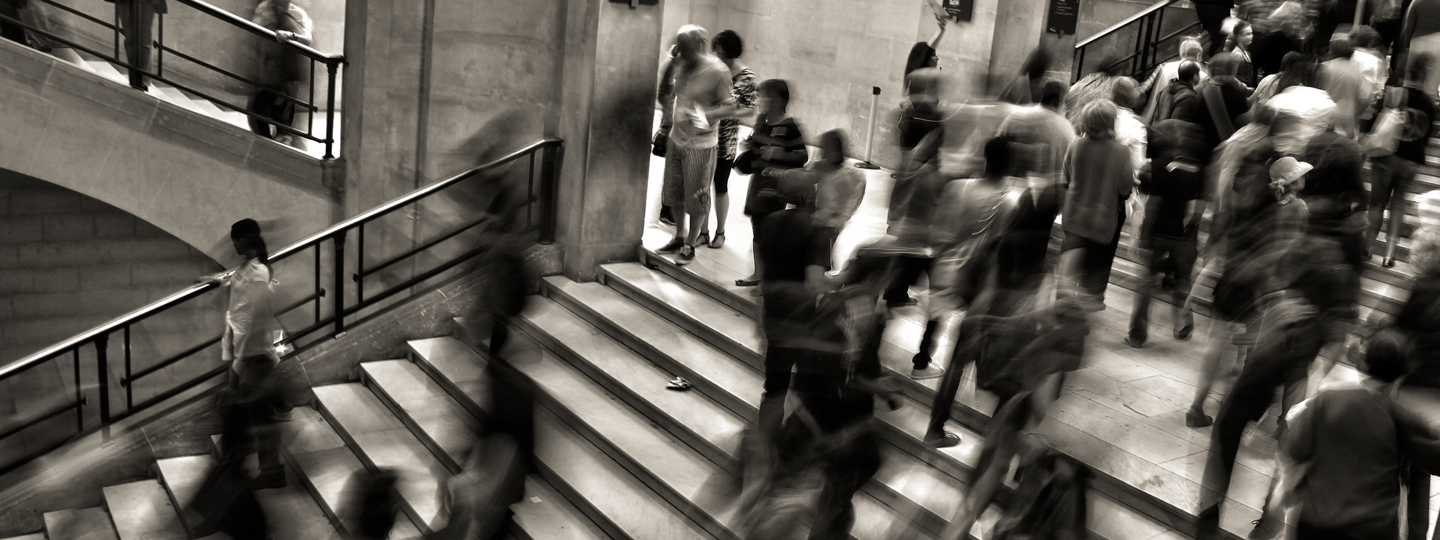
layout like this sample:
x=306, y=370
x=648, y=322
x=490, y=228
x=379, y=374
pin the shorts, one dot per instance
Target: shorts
x=687, y=177
x=722, y=175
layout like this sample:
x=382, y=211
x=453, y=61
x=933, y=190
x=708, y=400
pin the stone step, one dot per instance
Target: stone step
x=571, y=467
x=325, y=465
x=174, y=95
x=1160, y=494
x=546, y=515
x=905, y=482
x=455, y=367
x=143, y=511
x=381, y=440
x=921, y=468
x=445, y=427
x=291, y=511
x=36, y=536
x=80, y=524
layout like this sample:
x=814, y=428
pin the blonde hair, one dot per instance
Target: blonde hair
x=1425, y=250
x=1191, y=49
x=1097, y=119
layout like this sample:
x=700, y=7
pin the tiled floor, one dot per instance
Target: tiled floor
x=1128, y=403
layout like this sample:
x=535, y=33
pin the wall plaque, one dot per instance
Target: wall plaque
x=1062, y=17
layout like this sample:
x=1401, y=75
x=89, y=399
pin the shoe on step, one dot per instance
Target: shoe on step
x=943, y=440
x=687, y=254
x=932, y=372
x=718, y=241
x=703, y=239
x=674, y=245
x=1266, y=528
x=1197, y=419
x=1136, y=343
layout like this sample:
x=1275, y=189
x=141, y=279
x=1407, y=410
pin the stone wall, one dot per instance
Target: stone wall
x=832, y=52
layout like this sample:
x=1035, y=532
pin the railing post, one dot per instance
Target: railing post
x=547, y=194
x=102, y=375
x=330, y=67
x=339, y=300
x=129, y=384
x=79, y=395
x=160, y=45
x=1079, y=65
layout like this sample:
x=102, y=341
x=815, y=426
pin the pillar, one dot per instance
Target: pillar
x=607, y=103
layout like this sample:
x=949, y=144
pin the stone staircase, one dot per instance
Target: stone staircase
x=199, y=105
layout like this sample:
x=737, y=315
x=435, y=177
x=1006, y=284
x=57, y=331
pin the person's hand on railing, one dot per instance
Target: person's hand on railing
x=284, y=36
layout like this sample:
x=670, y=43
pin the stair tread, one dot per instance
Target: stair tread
x=80, y=524
x=1140, y=479
x=689, y=302
x=205, y=105
x=438, y=415
x=174, y=95
x=385, y=442
x=326, y=465
x=668, y=460
x=36, y=536
x=291, y=512
x=454, y=361
x=546, y=515
x=716, y=425
x=604, y=484
x=142, y=511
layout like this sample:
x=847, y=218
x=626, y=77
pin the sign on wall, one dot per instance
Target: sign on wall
x=634, y=3
x=960, y=10
x=1062, y=17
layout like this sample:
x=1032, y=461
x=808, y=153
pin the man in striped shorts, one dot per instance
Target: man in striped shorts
x=702, y=99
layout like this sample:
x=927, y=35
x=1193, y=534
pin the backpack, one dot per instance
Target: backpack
x=1050, y=503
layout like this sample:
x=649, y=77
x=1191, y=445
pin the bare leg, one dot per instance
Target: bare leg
x=722, y=210
x=759, y=265
x=697, y=224
x=678, y=213
x=1397, y=221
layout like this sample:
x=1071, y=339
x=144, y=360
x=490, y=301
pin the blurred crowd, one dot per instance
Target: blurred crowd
x=1267, y=157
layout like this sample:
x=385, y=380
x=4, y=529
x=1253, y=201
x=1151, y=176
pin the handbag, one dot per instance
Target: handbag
x=658, y=143
x=1389, y=129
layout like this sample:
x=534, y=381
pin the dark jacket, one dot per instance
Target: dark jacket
x=1184, y=102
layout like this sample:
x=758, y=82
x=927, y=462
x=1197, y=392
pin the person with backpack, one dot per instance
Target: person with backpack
x=1223, y=100
x=1174, y=184
x=1394, y=168
x=1179, y=100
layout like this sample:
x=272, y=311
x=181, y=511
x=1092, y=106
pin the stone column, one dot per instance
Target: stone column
x=607, y=102
x=1018, y=28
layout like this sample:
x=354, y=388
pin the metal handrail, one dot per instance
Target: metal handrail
x=1162, y=4
x=261, y=31
x=354, y=310
x=308, y=242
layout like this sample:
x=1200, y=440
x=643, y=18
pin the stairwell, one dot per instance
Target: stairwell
x=69, y=262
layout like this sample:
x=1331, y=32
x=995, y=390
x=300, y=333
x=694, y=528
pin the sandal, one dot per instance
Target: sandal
x=703, y=239
x=746, y=282
x=718, y=241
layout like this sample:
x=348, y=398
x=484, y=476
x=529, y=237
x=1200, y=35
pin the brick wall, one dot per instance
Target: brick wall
x=69, y=262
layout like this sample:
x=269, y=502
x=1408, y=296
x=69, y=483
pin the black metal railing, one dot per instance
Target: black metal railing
x=324, y=306
x=330, y=62
x=1146, y=54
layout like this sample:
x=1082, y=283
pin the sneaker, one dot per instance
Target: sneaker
x=718, y=241
x=674, y=245
x=1266, y=528
x=665, y=220
x=1183, y=333
x=943, y=440
x=932, y=372
x=687, y=254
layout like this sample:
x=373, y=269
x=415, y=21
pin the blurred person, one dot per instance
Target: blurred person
x=136, y=19
x=702, y=98
x=1331, y=15
x=776, y=143
x=1097, y=85
x=1130, y=130
x=1342, y=78
x=1335, y=193
x=1238, y=42
x=838, y=189
x=1099, y=177
x=1366, y=42
x=250, y=334
x=1191, y=51
x=226, y=501
x=665, y=94
x=1269, y=86
x=1175, y=186
x=1388, y=20
x=493, y=477
x=920, y=110
x=1348, y=450
x=1278, y=32
x=1419, y=319
x=728, y=47
x=1421, y=37
x=1025, y=88
x=1051, y=341
x=1306, y=108
x=1222, y=100
x=979, y=213
x=1044, y=130
x=1392, y=174
x=1212, y=15
x=1180, y=101
x=282, y=68
x=9, y=30
x=376, y=495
